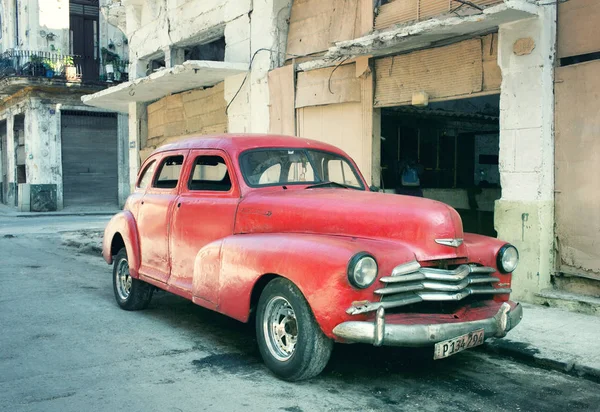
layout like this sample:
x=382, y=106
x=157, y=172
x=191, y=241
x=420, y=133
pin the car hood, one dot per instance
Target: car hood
x=412, y=221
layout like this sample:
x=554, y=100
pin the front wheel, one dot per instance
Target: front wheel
x=290, y=341
x=130, y=293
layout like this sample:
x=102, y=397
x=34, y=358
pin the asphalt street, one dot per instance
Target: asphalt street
x=66, y=346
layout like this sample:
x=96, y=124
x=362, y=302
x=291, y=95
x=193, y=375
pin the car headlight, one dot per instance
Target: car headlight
x=362, y=270
x=508, y=259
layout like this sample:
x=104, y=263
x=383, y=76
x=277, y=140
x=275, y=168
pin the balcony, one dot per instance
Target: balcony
x=22, y=68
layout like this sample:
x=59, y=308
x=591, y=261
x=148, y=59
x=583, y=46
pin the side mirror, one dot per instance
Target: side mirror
x=374, y=188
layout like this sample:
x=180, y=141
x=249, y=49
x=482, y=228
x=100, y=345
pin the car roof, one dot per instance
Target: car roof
x=239, y=142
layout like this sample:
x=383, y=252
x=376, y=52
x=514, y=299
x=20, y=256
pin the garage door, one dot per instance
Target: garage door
x=89, y=159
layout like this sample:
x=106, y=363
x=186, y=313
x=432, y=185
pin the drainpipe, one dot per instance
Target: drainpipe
x=17, y=23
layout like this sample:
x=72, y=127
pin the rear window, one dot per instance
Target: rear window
x=146, y=175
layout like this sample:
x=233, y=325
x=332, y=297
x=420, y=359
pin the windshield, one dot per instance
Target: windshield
x=278, y=167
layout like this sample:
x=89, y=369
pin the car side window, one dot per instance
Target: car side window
x=146, y=175
x=339, y=171
x=168, y=173
x=210, y=173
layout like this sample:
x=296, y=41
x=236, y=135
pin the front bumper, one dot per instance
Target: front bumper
x=378, y=333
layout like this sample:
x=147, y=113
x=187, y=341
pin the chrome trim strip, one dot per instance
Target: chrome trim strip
x=379, y=327
x=450, y=242
x=439, y=286
x=406, y=268
x=426, y=296
x=421, y=273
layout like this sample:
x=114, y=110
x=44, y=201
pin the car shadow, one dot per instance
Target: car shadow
x=217, y=333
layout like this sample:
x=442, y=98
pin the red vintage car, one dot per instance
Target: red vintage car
x=286, y=232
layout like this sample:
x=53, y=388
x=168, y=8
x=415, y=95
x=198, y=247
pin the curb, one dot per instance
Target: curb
x=58, y=214
x=529, y=355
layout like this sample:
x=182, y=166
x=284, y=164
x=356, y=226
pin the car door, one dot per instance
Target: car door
x=154, y=216
x=204, y=213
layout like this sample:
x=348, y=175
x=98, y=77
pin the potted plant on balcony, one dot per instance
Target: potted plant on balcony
x=70, y=69
x=51, y=67
x=35, y=66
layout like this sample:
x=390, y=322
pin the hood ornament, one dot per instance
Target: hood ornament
x=449, y=242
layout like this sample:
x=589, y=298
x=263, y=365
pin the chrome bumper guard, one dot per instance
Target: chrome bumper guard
x=378, y=333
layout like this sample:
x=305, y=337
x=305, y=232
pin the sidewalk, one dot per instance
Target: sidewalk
x=556, y=339
x=70, y=211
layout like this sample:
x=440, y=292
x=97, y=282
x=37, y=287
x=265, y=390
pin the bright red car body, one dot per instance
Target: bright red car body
x=221, y=248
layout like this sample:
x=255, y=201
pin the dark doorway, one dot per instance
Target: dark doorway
x=454, y=147
x=84, y=37
x=19, y=136
x=4, y=161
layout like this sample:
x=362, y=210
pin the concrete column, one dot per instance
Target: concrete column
x=237, y=49
x=138, y=134
x=123, y=157
x=137, y=68
x=43, y=147
x=524, y=216
x=264, y=34
x=174, y=56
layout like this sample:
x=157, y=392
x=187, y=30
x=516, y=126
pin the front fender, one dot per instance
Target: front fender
x=316, y=264
x=484, y=250
x=123, y=223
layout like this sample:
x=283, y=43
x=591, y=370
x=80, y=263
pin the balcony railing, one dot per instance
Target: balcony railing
x=69, y=67
x=28, y=63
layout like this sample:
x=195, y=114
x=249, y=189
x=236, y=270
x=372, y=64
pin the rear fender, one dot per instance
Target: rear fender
x=123, y=224
x=316, y=264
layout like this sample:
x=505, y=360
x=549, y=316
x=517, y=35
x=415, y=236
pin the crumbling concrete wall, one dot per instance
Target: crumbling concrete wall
x=43, y=160
x=524, y=216
x=254, y=31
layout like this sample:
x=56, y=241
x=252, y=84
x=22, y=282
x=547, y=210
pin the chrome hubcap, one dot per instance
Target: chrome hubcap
x=123, y=279
x=280, y=328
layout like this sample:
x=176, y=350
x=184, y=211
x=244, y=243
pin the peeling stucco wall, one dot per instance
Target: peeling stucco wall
x=42, y=145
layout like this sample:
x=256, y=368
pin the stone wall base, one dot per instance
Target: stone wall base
x=528, y=225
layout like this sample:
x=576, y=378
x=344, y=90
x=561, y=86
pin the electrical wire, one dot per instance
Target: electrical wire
x=250, y=68
x=331, y=74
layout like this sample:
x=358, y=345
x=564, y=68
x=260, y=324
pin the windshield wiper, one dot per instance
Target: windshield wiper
x=323, y=184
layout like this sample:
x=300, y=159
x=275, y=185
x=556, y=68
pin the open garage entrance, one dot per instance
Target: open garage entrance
x=453, y=148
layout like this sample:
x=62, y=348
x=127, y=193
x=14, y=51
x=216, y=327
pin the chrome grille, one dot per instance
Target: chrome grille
x=410, y=283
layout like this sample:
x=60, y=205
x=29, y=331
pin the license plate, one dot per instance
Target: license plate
x=460, y=343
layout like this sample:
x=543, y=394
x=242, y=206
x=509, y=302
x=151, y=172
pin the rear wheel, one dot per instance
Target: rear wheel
x=130, y=293
x=290, y=341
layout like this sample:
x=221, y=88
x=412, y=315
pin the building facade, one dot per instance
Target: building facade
x=55, y=151
x=463, y=90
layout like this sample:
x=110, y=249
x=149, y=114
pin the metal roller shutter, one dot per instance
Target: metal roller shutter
x=89, y=158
